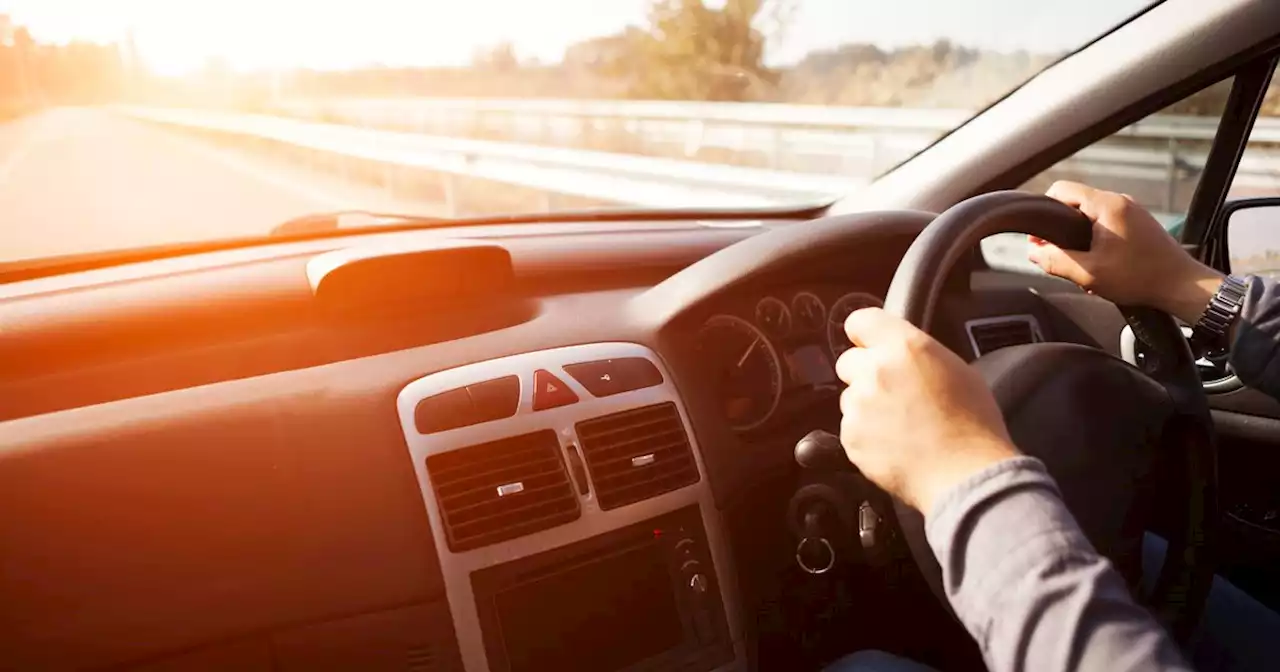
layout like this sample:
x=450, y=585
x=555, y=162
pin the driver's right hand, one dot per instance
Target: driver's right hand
x=916, y=419
x=1132, y=261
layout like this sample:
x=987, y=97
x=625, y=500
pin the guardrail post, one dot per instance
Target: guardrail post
x=1171, y=179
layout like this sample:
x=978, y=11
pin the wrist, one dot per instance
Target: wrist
x=959, y=467
x=1189, y=295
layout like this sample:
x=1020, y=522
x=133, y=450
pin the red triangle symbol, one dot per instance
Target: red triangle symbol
x=550, y=392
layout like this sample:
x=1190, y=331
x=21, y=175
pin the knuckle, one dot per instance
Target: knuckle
x=916, y=342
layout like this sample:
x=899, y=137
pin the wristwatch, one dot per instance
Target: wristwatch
x=1211, y=330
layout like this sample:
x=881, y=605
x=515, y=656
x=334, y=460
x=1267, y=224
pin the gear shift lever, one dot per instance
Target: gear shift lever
x=821, y=451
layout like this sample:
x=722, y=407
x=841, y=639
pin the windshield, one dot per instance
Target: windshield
x=133, y=123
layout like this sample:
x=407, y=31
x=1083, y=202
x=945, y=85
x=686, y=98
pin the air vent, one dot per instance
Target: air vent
x=501, y=490
x=637, y=454
x=991, y=334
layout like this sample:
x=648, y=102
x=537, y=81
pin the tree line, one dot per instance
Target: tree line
x=685, y=50
x=34, y=74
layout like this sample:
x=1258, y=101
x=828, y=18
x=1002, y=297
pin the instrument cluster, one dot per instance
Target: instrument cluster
x=773, y=354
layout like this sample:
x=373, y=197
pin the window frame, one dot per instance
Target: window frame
x=1252, y=71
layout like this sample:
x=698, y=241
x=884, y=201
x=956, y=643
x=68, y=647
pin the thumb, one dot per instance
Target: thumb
x=869, y=327
x=1056, y=261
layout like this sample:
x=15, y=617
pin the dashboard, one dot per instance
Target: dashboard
x=771, y=356
x=517, y=474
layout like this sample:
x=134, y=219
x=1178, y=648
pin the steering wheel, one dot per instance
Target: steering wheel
x=1111, y=435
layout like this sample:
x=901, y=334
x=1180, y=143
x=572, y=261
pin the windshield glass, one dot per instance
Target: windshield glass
x=131, y=123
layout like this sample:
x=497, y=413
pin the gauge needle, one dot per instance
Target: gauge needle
x=743, y=359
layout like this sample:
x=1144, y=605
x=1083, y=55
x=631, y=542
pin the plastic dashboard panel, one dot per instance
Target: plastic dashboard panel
x=457, y=567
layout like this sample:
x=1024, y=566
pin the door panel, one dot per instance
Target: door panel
x=1249, y=480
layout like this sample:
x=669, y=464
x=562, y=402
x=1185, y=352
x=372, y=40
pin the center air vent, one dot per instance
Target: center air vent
x=989, y=335
x=501, y=490
x=637, y=454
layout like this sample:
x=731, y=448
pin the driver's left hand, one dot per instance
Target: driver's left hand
x=916, y=419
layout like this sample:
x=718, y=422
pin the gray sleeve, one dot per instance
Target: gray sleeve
x=1029, y=586
x=1254, y=355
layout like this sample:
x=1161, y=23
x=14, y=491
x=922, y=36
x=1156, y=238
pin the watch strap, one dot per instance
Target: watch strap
x=1211, y=330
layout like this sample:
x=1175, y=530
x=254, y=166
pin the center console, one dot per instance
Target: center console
x=573, y=517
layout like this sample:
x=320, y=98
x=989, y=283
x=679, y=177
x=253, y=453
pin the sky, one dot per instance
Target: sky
x=180, y=36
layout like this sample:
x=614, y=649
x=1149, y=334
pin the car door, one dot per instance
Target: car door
x=1243, y=237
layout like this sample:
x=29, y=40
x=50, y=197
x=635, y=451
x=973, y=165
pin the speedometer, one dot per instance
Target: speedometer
x=744, y=368
x=837, y=340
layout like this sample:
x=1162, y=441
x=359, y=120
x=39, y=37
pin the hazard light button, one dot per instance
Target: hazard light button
x=550, y=392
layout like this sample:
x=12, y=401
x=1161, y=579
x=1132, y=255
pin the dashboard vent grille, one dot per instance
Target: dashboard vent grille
x=989, y=335
x=637, y=454
x=503, y=489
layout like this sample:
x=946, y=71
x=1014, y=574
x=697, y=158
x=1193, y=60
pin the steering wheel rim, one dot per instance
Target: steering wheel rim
x=1187, y=574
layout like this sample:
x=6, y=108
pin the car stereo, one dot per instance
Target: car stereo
x=643, y=597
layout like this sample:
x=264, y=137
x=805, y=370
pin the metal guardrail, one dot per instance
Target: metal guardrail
x=635, y=180
x=538, y=137
x=770, y=115
x=863, y=142
x=1160, y=151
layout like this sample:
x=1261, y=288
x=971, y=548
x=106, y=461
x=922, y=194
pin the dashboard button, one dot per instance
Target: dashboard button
x=550, y=392
x=613, y=376
x=447, y=410
x=495, y=399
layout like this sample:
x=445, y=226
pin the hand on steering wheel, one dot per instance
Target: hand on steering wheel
x=916, y=419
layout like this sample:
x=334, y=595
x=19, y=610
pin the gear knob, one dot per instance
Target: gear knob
x=821, y=451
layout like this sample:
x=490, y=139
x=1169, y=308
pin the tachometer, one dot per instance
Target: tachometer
x=773, y=316
x=745, y=369
x=808, y=312
x=840, y=311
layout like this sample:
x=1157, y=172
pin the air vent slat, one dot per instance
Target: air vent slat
x=527, y=527
x=620, y=425
x=641, y=444
x=659, y=483
x=466, y=513
x=528, y=470
x=993, y=335
x=609, y=462
x=472, y=467
x=637, y=454
x=507, y=519
x=504, y=475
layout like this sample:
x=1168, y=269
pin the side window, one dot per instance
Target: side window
x=1157, y=161
x=1253, y=236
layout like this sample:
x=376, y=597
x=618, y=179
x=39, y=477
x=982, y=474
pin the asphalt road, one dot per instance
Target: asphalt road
x=85, y=180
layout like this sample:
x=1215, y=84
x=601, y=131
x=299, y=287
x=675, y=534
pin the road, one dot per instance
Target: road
x=84, y=180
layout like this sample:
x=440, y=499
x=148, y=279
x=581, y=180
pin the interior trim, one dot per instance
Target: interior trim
x=1037, y=334
x=1244, y=426
x=1129, y=353
x=457, y=567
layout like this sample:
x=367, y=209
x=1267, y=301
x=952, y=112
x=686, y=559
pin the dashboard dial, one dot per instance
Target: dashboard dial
x=840, y=311
x=808, y=313
x=773, y=316
x=745, y=369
